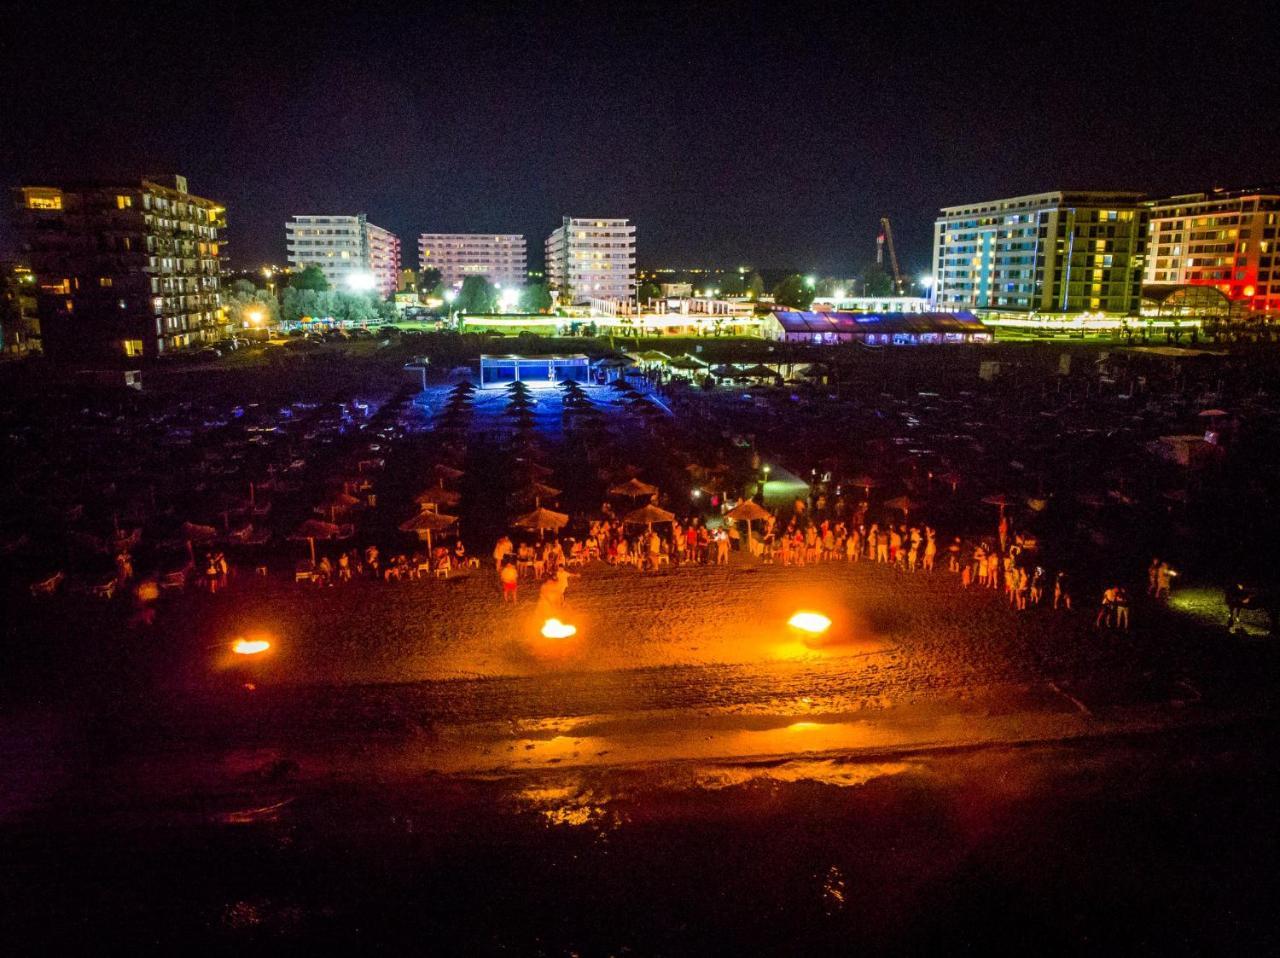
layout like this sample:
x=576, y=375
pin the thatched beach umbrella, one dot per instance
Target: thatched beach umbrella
x=749, y=511
x=865, y=483
x=314, y=529
x=425, y=523
x=541, y=520
x=647, y=515
x=903, y=504
x=437, y=496
x=633, y=489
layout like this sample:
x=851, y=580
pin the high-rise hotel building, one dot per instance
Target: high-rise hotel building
x=499, y=257
x=592, y=259
x=1060, y=252
x=123, y=269
x=352, y=253
x=1224, y=239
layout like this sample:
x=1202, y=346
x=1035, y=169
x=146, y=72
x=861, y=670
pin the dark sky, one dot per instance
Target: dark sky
x=774, y=135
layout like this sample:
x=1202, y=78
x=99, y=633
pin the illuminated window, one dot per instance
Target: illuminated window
x=105, y=281
x=132, y=347
x=44, y=201
x=123, y=201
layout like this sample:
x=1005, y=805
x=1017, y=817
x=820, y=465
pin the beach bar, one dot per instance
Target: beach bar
x=535, y=371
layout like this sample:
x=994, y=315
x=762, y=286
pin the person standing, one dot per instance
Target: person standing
x=500, y=552
x=1061, y=591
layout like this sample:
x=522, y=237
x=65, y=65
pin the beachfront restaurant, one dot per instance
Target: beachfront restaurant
x=876, y=329
x=534, y=371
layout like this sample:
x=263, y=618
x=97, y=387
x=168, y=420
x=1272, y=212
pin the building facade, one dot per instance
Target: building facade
x=1224, y=239
x=1059, y=252
x=123, y=269
x=592, y=259
x=352, y=253
x=19, y=311
x=499, y=257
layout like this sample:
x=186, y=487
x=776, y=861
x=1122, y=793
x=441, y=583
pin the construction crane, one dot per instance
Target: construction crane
x=886, y=236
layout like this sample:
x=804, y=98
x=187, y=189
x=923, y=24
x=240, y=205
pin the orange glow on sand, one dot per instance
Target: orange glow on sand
x=815, y=623
x=555, y=629
x=250, y=646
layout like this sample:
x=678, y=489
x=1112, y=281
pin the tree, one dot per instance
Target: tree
x=476, y=296
x=793, y=291
x=648, y=292
x=297, y=303
x=251, y=308
x=876, y=282
x=535, y=298
x=429, y=279
x=732, y=284
x=310, y=278
x=755, y=286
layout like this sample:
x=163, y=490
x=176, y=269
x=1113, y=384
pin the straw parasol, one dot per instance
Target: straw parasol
x=425, y=523
x=749, y=511
x=998, y=499
x=865, y=483
x=647, y=515
x=437, y=496
x=688, y=363
x=633, y=488
x=443, y=472
x=541, y=519
x=335, y=502
x=537, y=491
x=903, y=504
x=314, y=529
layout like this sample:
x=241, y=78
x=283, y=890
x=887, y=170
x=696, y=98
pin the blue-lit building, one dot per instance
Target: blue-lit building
x=534, y=371
x=876, y=329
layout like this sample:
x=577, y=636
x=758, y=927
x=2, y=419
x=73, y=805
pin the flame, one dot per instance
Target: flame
x=250, y=646
x=815, y=623
x=555, y=629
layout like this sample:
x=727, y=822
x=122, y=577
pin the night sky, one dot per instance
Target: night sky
x=774, y=136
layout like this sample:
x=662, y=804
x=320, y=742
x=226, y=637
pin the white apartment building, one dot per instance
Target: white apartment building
x=592, y=259
x=350, y=251
x=1058, y=252
x=1224, y=239
x=499, y=257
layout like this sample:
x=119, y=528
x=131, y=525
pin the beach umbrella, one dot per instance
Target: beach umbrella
x=902, y=504
x=1213, y=413
x=425, y=523
x=952, y=479
x=537, y=491
x=865, y=483
x=748, y=511
x=653, y=356
x=335, y=502
x=647, y=515
x=444, y=472
x=757, y=372
x=314, y=529
x=437, y=496
x=998, y=499
x=633, y=488
x=540, y=520
x=688, y=363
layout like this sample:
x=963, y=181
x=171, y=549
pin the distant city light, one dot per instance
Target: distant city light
x=926, y=281
x=811, y=281
x=450, y=295
x=510, y=298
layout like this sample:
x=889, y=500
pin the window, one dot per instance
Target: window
x=45, y=202
x=105, y=281
x=132, y=347
x=123, y=201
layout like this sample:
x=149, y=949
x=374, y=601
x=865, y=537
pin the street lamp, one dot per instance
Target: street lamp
x=811, y=281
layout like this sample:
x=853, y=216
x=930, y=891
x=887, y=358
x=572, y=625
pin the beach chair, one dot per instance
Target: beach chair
x=303, y=572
